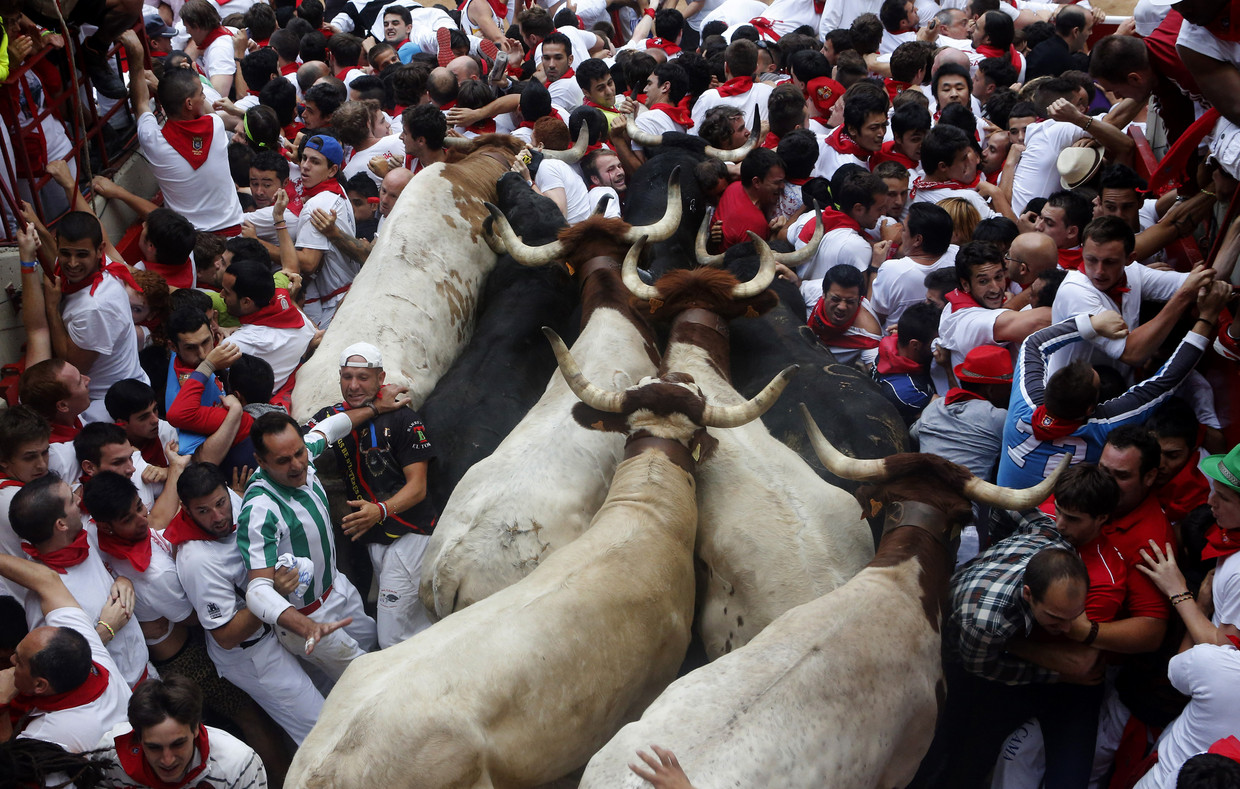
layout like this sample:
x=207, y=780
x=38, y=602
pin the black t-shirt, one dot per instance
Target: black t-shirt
x=373, y=458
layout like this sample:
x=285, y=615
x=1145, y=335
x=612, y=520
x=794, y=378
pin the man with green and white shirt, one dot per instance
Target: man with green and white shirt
x=285, y=512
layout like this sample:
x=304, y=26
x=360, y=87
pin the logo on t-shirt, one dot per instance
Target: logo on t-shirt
x=213, y=611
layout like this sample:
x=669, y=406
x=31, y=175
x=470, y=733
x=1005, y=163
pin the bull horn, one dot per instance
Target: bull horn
x=640, y=137
x=628, y=273
x=744, y=413
x=488, y=235
x=704, y=258
x=984, y=492
x=766, y=271
x=588, y=393
x=458, y=142
x=601, y=205
x=794, y=259
x=574, y=154
x=521, y=252
x=837, y=462
x=670, y=221
x=736, y=154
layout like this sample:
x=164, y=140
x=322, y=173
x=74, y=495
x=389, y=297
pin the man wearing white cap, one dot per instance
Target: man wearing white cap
x=386, y=459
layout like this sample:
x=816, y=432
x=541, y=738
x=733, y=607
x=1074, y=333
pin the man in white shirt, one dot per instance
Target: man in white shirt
x=92, y=328
x=58, y=392
x=899, y=18
x=740, y=61
x=189, y=155
x=1063, y=219
x=217, y=53
x=861, y=134
x=272, y=328
x=926, y=247
x=560, y=182
x=78, y=693
x=329, y=272
x=557, y=55
x=950, y=161
x=23, y=458
x=862, y=200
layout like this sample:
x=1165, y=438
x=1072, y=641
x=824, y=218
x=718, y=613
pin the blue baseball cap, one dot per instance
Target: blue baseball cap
x=328, y=146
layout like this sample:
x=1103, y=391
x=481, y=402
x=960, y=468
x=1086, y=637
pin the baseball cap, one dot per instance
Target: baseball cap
x=986, y=364
x=1224, y=468
x=369, y=353
x=155, y=28
x=328, y=146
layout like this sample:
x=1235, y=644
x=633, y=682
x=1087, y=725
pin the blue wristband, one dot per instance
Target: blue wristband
x=29, y=266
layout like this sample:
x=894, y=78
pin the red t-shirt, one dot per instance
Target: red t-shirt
x=738, y=214
x=1108, y=574
x=1130, y=534
x=1186, y=491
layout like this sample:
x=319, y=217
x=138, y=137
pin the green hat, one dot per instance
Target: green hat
x=1224, y=468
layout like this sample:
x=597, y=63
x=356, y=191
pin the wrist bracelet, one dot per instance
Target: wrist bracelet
x=1207, y=321
x=1093, y=633
x=1176, y=599
x=108, y=628
x=383, y=510
x=371, y=405
x=1089, y=122
x=29, y=265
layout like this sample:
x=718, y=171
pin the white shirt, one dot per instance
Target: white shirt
x=901, y=283
x=206, y=196
x=613, y=205
x=936, y=195
x=733, y=13
x=103, y=323
x=843, y=12
x=566, y=93
x=708, y=8
x=10, y=543
x=757, y=96
x=1078, y=296
x=1227, y=592
x=219, y=57
x=830, y=160
x=265, y=224
x=843, y=245
x=965, y=329
x=390, y=144
x=788, y=15
x=1036, y=174
x=554, y=174
x=892, y=40
x=158, y=590
x=324, y=291
x=231, y=764
x=79, y=729
x=657, y=122
x=280, y=348
x=581, y=40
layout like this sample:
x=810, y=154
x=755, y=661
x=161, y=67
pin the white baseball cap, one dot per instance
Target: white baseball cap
x=369, y=353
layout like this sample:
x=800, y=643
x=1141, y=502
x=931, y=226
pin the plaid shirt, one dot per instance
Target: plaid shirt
x=988, y=610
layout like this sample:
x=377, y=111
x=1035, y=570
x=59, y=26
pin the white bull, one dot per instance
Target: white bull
x=547, y=478
x=521, y=688
x=772, y=534
x=843, y=691
x=415, y=298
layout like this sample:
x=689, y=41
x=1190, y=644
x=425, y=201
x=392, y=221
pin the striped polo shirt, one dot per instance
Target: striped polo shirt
x=276, y=519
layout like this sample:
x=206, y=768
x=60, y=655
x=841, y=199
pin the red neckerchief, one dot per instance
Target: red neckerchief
x=834, y=336
x=129, y=754
x=1117, y=291
x=499, y=9
x=890, y=362
x=888, y=153
x=1049, y=428
x=342, y=73
x=736, y=86
x=266, y=42
x=447, y=105
x=832, y=219
x=138, y=553
x=182, y=529
x=895, y=87
x=63, y=434
x=771, y=141
x=153, y=453
x=993, y=178
x=925, y=184
x=62, y=559
x=155, y=53
x=960, y=300
x=1012, y=56
x=400, y=44
x=566, y=75
x=214, y=34
x=1220, y=543
x=841, y=142
x=598, y=146
x=958, y=395
x=288, y=68
x=5, y=482
x=764, y=28
x=639, y=98
x=1184, y=492
x=663, y=44
x=118, y=270
x=678, y=112
x=590, y=103
x=326, y=185
x=482, y=127
x=191, y=139
x=94, y=686
x=1071, y=259
x=799, y=181
x=279, y=314
x=1174, y=164
x=181, y=276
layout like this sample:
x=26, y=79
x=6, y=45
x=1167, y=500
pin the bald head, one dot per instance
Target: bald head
x=309, y=73
x=441, y=86
x=393, y=184
x=949, y=55
x=464, y=68
x=1030, y=255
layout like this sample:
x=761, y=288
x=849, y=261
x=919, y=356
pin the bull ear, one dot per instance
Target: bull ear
x=702, y=446
x=594, y=419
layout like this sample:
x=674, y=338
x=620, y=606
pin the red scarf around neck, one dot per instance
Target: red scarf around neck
x=960, y=300
x=771, y=141
x=890, y=362
x=889, y=153
x=1011, y=55
x=958, y=395
x=344, y=72
x=662, y=43
x=1220, y=543
x=765, y=28
x=135, y=765
x=219, y=32
x=835, y=336
x=482, y=127
x=1071, y=260
x=94, y=686
x=329, y=184
x=587, y=101
x=736, y=86
x=928, y=184
x=182, y=276
x=279, y=314
x=678, y=112
x=182, y=529
x=841, y=142
x=191, y=139
x=136, y=553
x=62, y=559
x=895, y=87
x=499, y=9
x=832, y=219
x=118, y=270
x=289, y=68
x=63, y=434
x=1049, y=428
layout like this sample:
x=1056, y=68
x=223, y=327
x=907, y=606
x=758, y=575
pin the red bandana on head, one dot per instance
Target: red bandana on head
x=279, y=314
x=137, y=553
x=678, y=112
x=191, y=139
x=118, y=270
x=182, y=529
x=94, y=686
x=662, y=43
x=62, y=559
x=134, y=763
x=764, y=28
x=736, y=86
x=1221, y=543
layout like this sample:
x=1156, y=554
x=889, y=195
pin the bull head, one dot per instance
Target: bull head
x=734, y=155
x=976, y=489
x=557, y=250
x=789, y=259
x=742, y=290
x=712, y=415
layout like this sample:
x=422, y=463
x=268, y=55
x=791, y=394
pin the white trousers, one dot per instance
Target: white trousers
x=398, y=567
x=275, y=680
x=334, y=653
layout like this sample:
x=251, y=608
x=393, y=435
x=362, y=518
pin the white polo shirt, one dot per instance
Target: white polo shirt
x=843, y=245
x=581, y=41
x=788, y=15
x=360, y=161
x=1036, y=174
x=265, y=225
x=566, y=93
x=758, y=95
x=207, y=196
x=79, y=729
x=103, y=323
x=901, y=283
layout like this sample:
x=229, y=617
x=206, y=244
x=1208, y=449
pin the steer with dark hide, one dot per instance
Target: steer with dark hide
x=843, y=691
x=547, y=478
x=772, y=534
x=505, y=368
x=521, y=688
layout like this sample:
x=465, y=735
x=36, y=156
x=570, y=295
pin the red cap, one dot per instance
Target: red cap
x=985, y=364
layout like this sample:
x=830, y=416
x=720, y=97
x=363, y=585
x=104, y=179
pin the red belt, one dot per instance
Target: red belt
x=146, y=672
x=232, y=231
x=332, y=295
x=317, y=604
